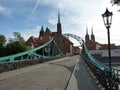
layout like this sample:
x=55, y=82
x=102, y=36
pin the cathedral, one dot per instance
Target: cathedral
x=98, y=49
x=90, y=41
x=46, y=35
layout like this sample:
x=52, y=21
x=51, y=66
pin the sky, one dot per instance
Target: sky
x=27, y=17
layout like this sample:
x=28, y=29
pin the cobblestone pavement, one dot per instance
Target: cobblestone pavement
x=53, y=75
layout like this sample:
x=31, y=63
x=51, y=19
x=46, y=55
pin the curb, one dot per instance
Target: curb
x=71, y=77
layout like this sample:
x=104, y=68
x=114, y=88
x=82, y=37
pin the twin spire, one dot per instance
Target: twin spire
x=87, y=31
x=87, y=35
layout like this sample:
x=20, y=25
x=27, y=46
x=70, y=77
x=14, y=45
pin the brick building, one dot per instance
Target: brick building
x=46, y=35
x=93, y=45
x=101, y=50
x=90, y=42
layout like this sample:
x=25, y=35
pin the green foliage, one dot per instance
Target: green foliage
x=15, y=45
x=2, y=45
x=2, y=40
x=115, y=2
x=18, y=37
x=3, y=51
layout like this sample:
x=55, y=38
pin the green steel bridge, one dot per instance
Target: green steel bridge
x=109, y=78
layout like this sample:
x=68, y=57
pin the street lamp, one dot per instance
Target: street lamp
x=107, y=19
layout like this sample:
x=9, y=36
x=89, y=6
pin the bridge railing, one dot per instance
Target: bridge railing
x=109, y=78
x=53, y=51
x=47, y=51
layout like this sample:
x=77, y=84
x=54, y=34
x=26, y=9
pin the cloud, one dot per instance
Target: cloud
x=73, y=13
x=5, y=11
x=30, y=32
x=75, y=16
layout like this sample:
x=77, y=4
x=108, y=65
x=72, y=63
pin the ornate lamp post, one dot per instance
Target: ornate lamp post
x=107, y=19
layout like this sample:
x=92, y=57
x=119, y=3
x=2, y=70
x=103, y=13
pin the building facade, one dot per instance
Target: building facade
x=46, y=35
x=104, y=53
x=101, y=50
x=90, y=41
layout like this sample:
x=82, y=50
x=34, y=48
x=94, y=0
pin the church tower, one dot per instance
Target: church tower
x=59, y=27
x=86, y=36
x=92, y=35
x=41, y=32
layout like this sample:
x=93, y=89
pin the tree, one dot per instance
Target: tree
x=117, y=2
x=2, y=40
x=2, y=45
x=3, y=51
x=16, y=45
x=18, y=37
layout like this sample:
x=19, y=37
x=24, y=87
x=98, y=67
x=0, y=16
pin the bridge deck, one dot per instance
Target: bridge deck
x=53, y=75
x=81, y=78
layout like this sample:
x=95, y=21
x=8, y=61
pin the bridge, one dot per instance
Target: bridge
x=70, y=73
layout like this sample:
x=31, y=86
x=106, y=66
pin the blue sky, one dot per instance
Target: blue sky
x=27, y=17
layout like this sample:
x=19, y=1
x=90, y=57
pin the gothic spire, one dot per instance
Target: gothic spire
x=86, y=31
x=41, y=31
x=92, y=35
x=92, y=31
x=42, y=28
x=87, y=35
x=58, y=17
x=59, y=26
